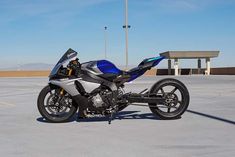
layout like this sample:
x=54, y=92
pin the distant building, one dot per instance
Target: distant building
x=199, y=55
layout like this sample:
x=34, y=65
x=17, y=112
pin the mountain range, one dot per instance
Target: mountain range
x=30, y=66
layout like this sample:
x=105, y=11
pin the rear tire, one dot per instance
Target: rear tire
x=44, y=108
x=176, y=99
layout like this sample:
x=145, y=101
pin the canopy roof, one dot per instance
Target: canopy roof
x=190, y=54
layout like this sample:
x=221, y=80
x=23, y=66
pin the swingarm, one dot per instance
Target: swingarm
x=144, y=98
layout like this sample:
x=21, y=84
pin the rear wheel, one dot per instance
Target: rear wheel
x=55, y=107
x=175, y=95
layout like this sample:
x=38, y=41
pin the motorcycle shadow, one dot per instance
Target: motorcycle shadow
x=123, y=115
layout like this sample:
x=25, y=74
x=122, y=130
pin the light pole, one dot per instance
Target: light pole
x=105, y=42
x=126, y=27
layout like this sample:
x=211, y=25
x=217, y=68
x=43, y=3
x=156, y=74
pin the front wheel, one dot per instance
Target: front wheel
x=55, y=107
x=176, y=99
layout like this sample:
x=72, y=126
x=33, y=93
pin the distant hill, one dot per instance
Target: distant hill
x=31, y=66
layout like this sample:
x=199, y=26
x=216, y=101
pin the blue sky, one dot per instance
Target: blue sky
x=41, y=30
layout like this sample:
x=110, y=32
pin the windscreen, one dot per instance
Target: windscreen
x=68, y=55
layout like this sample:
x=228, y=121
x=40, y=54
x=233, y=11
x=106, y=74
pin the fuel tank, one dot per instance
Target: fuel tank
x=102, y=68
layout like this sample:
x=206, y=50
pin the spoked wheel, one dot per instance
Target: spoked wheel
x=55, y=107
x=175, y=95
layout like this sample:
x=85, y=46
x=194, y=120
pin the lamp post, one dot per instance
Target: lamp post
x=126, y=27
x=105, y=42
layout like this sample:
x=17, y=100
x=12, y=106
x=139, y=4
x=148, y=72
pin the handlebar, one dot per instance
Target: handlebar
x=74, y=66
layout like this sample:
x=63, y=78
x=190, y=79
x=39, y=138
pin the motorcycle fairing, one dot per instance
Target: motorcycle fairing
x=151, y=62
x=101, y=68
x=68, y=85
x=99, y=72
x=69, y=54
x=108, y=67
x=145, y=65
x=109, y=70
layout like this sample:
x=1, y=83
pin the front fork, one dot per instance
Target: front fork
x=62, y=90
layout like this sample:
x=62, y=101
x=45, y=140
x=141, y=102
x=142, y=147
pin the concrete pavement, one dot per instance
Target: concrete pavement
x=206, y=129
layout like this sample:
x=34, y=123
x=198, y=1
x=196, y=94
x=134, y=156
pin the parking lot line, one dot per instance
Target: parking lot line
x=6, y=104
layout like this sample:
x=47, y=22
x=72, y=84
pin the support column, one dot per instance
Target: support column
x=208, y=66
x=191, y=71
x=199, y=66
x=176, y=66
x=169, y=66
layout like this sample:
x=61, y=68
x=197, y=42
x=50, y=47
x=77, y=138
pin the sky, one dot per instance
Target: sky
x=40, y=31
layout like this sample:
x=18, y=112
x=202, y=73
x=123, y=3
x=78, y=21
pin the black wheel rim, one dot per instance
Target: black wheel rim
x=57, y=106
x=174, y=99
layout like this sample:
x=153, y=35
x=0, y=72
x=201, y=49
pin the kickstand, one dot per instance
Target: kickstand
x=114, y=111
x=112, y=115
x=110, y=118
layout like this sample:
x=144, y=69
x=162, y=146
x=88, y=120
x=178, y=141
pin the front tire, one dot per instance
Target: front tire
x=176, y=99
x=54, y=107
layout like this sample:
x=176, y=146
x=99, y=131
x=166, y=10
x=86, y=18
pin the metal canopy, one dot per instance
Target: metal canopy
x=190, y=54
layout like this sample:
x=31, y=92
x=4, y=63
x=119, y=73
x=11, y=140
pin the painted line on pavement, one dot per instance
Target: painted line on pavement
x=6, y=104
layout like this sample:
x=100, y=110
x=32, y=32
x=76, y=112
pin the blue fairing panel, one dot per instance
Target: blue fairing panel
x=107, y=67
x=158, y=60
x=144, y=66
x=154, y=60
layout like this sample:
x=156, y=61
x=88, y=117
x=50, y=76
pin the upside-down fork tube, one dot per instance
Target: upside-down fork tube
x=62, y=90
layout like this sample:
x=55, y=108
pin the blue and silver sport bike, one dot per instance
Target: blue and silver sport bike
x=96, y=89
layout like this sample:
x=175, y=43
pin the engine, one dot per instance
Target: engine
x=97, y=101
x=103, y=99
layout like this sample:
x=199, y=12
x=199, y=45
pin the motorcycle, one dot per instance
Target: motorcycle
x=96, y=88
